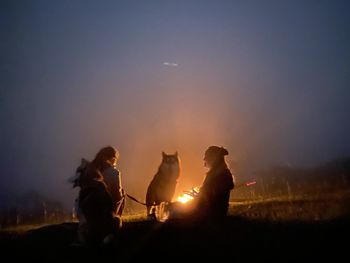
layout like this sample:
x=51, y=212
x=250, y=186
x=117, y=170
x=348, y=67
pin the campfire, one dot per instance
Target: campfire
x=188, y=195
x=184, y=198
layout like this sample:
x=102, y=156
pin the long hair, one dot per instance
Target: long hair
x=103, y=155
x=88, y=171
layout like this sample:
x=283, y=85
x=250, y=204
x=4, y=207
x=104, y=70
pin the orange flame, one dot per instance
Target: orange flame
x=184, y=198
x=188, y=195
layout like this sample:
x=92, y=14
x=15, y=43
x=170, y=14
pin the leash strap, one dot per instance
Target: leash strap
x=142, y=203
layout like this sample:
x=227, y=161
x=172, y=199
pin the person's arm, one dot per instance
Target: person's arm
x=120, y=191
x=112, y=179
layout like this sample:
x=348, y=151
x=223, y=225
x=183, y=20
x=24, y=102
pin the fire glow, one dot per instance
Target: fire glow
x=188, y=195
x=184, y=198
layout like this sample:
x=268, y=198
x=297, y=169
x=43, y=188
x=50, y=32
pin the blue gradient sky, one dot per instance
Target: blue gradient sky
x=269, y=80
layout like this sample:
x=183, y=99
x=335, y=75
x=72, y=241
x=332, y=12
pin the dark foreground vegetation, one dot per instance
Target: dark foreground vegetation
x=262, y=230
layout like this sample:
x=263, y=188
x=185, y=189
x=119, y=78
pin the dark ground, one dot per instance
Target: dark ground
x=237, y=239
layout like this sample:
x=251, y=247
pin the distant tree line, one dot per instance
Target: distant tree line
x=31, y=208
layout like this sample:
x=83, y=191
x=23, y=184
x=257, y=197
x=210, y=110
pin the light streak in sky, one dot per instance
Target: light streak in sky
x=170, y=64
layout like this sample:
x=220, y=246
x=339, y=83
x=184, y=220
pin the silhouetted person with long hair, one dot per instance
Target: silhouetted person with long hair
x=101, y=197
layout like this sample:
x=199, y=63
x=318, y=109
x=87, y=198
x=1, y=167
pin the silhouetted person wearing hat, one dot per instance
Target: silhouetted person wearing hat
x=214, y=195
x=212, y=201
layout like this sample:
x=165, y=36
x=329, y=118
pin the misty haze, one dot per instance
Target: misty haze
x=269, y=81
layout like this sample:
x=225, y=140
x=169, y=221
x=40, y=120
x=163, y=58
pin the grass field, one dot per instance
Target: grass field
x=270, y=229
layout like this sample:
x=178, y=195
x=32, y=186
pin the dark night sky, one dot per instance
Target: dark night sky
x=269, y=80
